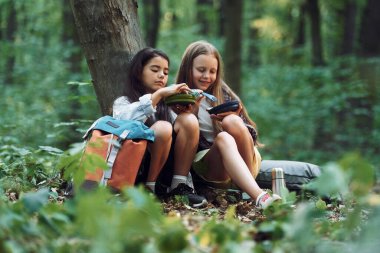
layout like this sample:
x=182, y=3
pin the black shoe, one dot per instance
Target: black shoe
x=186, y=191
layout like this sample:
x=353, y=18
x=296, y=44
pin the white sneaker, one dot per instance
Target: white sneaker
x=264, y=200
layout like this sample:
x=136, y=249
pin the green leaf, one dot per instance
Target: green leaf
x=362, y=174
x=51, y=150
x=320, y=204
x=174, y=237
x=331, y=182
x=34, y=201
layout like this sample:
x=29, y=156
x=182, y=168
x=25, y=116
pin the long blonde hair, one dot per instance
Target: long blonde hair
x=185, y=75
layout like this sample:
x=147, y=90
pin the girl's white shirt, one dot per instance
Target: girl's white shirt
x=205, y=121
x=140, y=110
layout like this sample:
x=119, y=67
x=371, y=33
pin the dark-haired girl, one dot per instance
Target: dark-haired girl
x=144, y=92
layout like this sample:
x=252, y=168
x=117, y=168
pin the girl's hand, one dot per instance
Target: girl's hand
x=174, y=89
x=220, y=116
x=162, y=93
x=191, y=108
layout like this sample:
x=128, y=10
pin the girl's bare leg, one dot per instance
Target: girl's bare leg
x=224, y=161
x=187, y=128
x=159, y=149
x=235, y=126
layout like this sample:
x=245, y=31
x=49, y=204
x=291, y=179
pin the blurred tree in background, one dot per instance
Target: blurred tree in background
x=308, y=70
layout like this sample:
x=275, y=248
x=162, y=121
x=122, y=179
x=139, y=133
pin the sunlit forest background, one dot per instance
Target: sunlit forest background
x=308, y=72
x=314, y=98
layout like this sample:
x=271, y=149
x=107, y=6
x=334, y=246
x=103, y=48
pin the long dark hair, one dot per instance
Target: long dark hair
x=134, y=88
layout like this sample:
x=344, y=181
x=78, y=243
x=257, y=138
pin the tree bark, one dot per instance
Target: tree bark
x=349, y=18
x=370, y=47
x=252, y=58
x=222, y=17
x=109, y=34
x=203, y=8
x=370, y=30
x=152, y=21
x=300, y=36
x=316, y=36
x=369, y=67
x=9, y=38
x=232, y=49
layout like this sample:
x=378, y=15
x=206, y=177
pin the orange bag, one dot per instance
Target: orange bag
x=122, y=145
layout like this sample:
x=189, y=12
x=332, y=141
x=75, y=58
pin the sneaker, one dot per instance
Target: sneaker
x=264, y=200
x=185, y=190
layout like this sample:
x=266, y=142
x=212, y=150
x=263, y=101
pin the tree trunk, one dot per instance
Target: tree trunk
x=299, y=42
x=316, y=36
x=232, y=49
x=370, y=30
x=73, y=60
x=9, y=38
x=369, y=68
x=203, y=8
x=322, y=136
x=370, y=47
x=70, y=39
x=109, y=34
x=252, y=58
x=300, y=36
x=222, y=17
x=349, y=18
x=152, y=21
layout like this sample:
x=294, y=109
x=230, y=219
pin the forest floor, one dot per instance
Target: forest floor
x=220, y=200
x=218, y=203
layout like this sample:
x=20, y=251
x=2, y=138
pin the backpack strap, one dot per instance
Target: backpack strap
x=105, y=176
x=113, y=149
x=90, y=129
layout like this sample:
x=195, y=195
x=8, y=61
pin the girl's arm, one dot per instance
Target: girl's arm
x=146, y=106
x=139, y=110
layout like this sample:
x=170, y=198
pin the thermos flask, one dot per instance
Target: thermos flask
x=278, y=183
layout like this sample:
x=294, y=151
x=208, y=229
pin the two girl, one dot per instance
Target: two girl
x=227, y=147
x=227, y=153
x=143, y=100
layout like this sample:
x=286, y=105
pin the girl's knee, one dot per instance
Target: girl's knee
x=162, y=130
x=187, y=121
x=233, y=124
x=224, y=140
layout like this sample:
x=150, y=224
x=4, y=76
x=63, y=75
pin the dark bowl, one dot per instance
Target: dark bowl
x=230, y=106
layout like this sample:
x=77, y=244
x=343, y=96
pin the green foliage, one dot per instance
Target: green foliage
x=23, y=169
x=227, y=236
x=99, y=221
x=34, y=201
x=312, y=114
x=302, y=113
x=355, y=179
